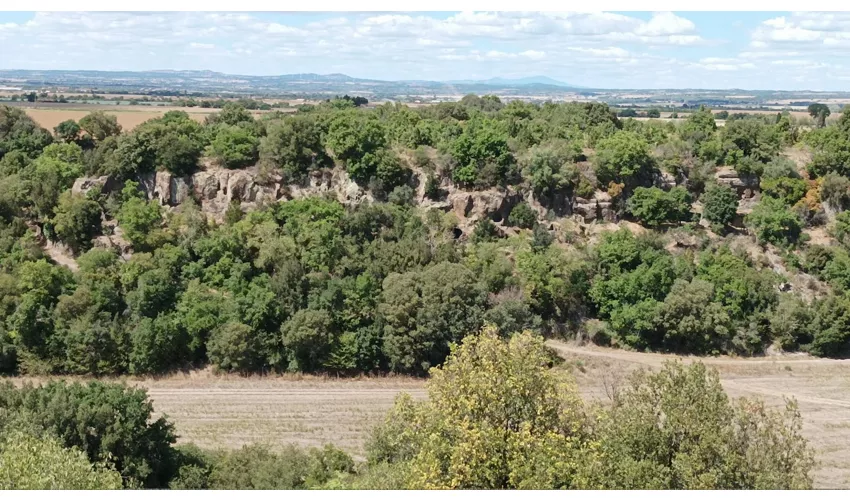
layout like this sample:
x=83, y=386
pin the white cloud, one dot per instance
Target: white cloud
x=666, y=23
x=604, y=49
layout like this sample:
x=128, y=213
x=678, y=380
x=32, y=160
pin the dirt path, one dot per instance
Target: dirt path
x=820, y=386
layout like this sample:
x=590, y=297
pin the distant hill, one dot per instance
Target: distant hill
x=530, y=80
x=179, y=82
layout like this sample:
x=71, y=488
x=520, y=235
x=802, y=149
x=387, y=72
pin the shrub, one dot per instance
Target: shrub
x=774, y=223
x=77, y=221
x=653, y=206
x=233, y=347
x=110, y=423
x=720, y=204
x=28, y=462
x=233, y=147
x=522, y=216
x=677, y=429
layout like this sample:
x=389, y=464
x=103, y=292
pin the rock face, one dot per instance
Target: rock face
x=745, y=186
x=84, y=184
x=597, y=208
x=215, y=188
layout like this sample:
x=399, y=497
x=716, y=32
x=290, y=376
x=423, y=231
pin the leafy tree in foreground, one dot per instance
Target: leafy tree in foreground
x=496, y=418
x=28, y=462
x=677, y=429
x=110, y=423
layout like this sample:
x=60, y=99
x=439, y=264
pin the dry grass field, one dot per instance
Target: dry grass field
x=129, y=117
x=229, y=411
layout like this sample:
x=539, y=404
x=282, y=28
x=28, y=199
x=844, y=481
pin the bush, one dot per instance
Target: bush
x=653, y=206
x=233, y=347
x=677, y=429
x=774, y=223
x=522, y=216
x=110, y=423
x=720, y=204
x=77, y=221
x=233, y=147
x=28, y=462
x=624, y=158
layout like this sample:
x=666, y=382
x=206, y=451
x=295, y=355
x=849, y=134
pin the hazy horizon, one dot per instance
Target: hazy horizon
x=642, y=50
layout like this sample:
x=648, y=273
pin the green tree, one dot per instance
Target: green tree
x=18, y=132
x=830, y=327
x=424, y=312
x=699, y=128
x=137, y=217
x=835, y=190
x=111, y=423
x=677, y=429
x=691, y=321
x=358, y=141
x=99, y=125
x=233, y=147
x=550, y=167
x=819, y=112
x=654, y=206
x=495, y=418
x=77, y=221
x=624, y=158
x=309, y=336
x=68, y=131
x=522, y=216
x=774, y=223
x=28, y=462
x=295, y=146
x=234, y=347
x=788, y=190
x=719, y=204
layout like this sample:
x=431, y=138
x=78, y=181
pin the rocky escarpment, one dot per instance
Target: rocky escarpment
x=214, y=189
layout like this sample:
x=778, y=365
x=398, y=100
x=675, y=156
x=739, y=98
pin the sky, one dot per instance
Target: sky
x=710, y=50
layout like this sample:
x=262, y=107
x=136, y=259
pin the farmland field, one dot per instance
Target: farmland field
x=129, y=117
x=229, y=411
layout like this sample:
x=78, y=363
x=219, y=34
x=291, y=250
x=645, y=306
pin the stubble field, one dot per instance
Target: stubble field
x=229, y=411
x=129, y=117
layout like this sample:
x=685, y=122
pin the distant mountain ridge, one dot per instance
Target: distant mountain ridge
x=529, y=80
